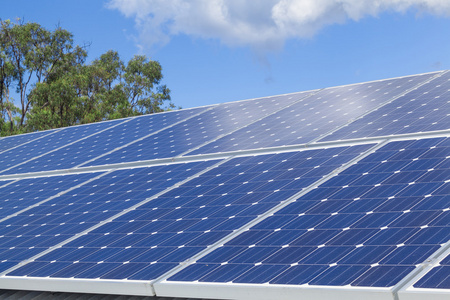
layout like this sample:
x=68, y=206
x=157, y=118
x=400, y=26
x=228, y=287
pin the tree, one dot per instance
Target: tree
x=141, y=75
x=32, y=53
x=56, y=87
x=102, y=90
x=7, y=109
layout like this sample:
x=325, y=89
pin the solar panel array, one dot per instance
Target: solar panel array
x=340, y=192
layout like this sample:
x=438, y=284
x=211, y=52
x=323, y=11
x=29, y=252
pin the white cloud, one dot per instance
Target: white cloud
x=261, y=24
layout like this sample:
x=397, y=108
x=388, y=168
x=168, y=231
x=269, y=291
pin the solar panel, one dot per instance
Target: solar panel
x=177, y=132
x=210, y=125
x=63, y=213
x=159, y=234
x=57, y=139
x=438, y=277
x=368, y=226
x=87, y=149
x=423, y=109
x=9, y=142
x=315, y=116
x=432, y=281
x=336, y=193
x=21, y=194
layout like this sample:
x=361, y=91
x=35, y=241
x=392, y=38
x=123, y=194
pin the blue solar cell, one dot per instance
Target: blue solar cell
x=261, y=273
x=353, y=229
x=199, y=270
x=366, y=255
x=254, y=255
x=314, y=116
x=175, y=222
x=30, y=267
x=298, y=274
x=226, y=273
x=152, y=271
x=182, y=254
x=436, y=278
x=339, y=275
x=288, y=255
x=409, y=255
x=431, y=236
x=326, y=255
x=383, y=276
x=50, y=267
x=72, y=269
x=18, y=156
x=219, y=120
x=127, y=270
x=423, y=109
x=95, y=270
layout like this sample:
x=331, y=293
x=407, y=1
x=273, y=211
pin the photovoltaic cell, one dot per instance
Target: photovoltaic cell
x=221, y=119
x=38, y=147
x=370, y=225
x=87, y=149
x=314, y=116
x=423, y=109
x=438, y=277
x=60, y=218
x=158, y=235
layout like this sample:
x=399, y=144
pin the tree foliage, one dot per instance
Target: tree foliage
x=55, y=87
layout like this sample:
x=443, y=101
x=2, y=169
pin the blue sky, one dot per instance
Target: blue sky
x=215, y=51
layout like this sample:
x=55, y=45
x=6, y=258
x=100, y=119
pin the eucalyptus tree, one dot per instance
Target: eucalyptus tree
x=55, y=87
x=102, y=90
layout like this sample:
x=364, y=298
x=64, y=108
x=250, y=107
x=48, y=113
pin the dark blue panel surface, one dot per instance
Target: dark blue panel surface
x=370, y=225
x=9, y=142
x=26, y=192
x=108, y=140
x=438, y=277
x=4, y=182
x=158, y=235
x=54, y=221
x=38, y=147
x=423, y=109
x=221, y=119
x=314, y=116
